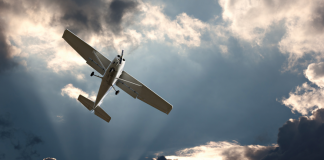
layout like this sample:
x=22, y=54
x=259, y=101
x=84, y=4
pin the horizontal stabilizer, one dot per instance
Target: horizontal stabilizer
x=86, y=102
x=98, y=110
x=102, y=114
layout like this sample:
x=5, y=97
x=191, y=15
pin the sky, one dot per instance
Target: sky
x=245, y=78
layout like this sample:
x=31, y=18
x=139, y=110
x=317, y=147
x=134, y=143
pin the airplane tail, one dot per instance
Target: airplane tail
x=98, y=110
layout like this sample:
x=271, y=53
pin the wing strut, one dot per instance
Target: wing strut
x=95, y=53
x=97, y=64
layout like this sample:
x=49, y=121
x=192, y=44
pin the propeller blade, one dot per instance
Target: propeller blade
x=121, y=57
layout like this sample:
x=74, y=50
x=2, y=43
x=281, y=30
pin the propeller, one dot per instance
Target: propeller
x=121, y=57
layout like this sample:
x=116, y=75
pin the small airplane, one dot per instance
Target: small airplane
x=112, y=75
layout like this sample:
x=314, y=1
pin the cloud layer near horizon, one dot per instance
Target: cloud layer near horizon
x=297, y=139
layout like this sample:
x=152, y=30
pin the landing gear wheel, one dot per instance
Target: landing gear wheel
x=111, y=70
x=92, y=74
x=117, y=92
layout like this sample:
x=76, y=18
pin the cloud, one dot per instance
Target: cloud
x=94, y=16
x=222, y=150
x=301, y=138
x=32, y=30
x=223, y=48
x=74, y=92
x=307, y=98
x=35, y=27
x=21, y=141
x=303, y=21
x=48, y=158
x=35, y=34
x=117, y=9
x=315, y=73
x=5, y=49
x=184, y=30
x=161, y=158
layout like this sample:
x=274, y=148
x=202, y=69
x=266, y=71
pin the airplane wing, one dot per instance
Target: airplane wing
x=94, y=59
x=142, y=93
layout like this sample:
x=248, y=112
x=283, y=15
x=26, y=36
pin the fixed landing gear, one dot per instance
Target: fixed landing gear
x=115, y=90
x=112, y=69
x=92, y=74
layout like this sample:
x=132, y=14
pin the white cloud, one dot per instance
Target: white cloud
x=74, y=92
x=315, y=73
x=223, y=48
x=306, y=98
x=32, y=34
x=251, y=20
x=60, y=118
x=219, y=151
x=184, y=30
x=35, y=34
x=80, y=76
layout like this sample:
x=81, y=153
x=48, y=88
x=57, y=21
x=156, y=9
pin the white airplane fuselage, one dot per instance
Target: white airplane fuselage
x=111, y=76
x=109, y=79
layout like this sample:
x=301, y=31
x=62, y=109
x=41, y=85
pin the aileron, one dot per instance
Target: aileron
x=143, y=93
x=86, y=51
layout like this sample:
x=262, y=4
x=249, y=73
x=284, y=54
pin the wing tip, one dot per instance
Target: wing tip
x=65, y=33
x=169, y=110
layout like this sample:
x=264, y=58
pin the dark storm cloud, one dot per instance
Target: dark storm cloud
x=77, y=15
x=248, y=152
x=5, y=61
x=80, y=15
x=301, y=139
x=161, y=158
x=92, y=15
x=117, y=9
x=21, y=141
x=317, y=24
x=297, y=140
